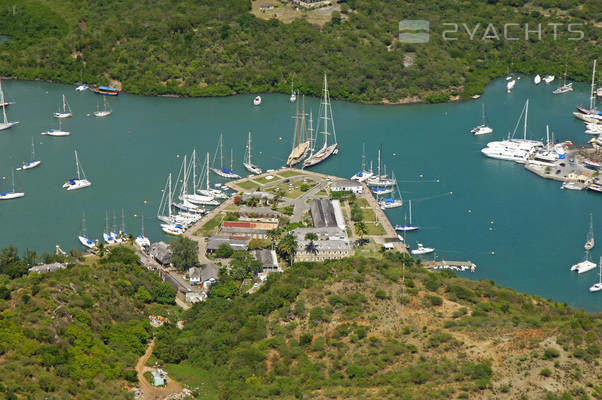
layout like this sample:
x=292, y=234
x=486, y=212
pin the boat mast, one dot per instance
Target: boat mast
x=325, y=117
x=106, y=221
x=193, y=158
x=77, y=165
x=312, y=139
x=363, y=157
x=526, y=113
x=64, y=105
x=3, y=103
x=296, y=131
x=483, y=116
x=221, y=153
x=249, y=150
x=142, y=219
x=302, y=140
x=13, y=171
x=379, y=161
x=33, y=150
x=122, y=221
x=410, y=212
x=591, y=94
x=169, y=195
x=207, y=170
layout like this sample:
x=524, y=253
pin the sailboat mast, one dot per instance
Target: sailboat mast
x=122, y=221
x=249, y=150
x=379, y=161
x=591, y=94
x=410, y=212
x=231, y=159
x=142, y=219
x=526, y=113
x=169, y=195
x=302, y=140
x=221, y=154
x=193, y=171
x=184, y=190
x=13, y=171
x=207, y=170
x=2, y=101
x=363, y=157
x=33, y=150
x=77, y=164
x=312, y=140
x=296, y=133
x=325, y=103
x=64, y=105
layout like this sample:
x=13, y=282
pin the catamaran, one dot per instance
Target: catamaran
x=189, y=200
x=589, y=241
x=301, y=143
x=326, y=150
x=221, y=171
x=83, y=235
x=11, y=194
x=66, y=112
x=362, y=174
x=33, y=162
x=81, y=181
x=141, y=240
x=565, y=87
x=209, y=191
x=422, y=250
x=248, y=163
x=107, y=235
x=482, y=129
x=392, y=202
x=6, y=123
x=596, y=287
x=585, y=265
x=102, y=113
x=57, y=132
x=405, y=227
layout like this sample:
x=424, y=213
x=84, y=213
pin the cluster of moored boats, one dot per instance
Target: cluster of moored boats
x=111, y=236
x=587, y=265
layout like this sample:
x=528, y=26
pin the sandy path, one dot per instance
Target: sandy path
x=150, y=392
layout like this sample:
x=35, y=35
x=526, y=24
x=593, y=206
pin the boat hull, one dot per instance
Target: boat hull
x=320, y=156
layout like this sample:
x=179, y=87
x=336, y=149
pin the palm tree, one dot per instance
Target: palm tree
x=360, y=230
x=311, y=246
x=288, y=246
x=273, y=235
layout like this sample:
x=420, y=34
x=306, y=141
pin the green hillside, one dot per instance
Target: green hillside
x=216, y=48
x=375, y=329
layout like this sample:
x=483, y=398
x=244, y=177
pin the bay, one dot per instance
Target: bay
x=537, y=230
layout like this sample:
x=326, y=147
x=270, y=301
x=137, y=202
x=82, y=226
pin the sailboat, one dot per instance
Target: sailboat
x=510, y=85
x=565, y=87
x=3, y=102
x=405, y=227
x=57, y=132
x=122, y=235
x=81, y=181
x=103, y=113
x=190, y=199
x=392, y=202
x=380, y=179
x=107, y=235
x=326, y=150
x=301, y=143
x=548, y=79
x=596, y=287
x=209, y=191
x=141, y=240
x=537, y=79
x=11, y=194
x=66, y=112
x=592, y=113
x=293, y=97
x=248, y=163
x=83, y=235
x=482, y=129
x=33, y=162
x=585, y=265
x=589, y=241
x=6, y=123
x=362, y=174
x=221, y=171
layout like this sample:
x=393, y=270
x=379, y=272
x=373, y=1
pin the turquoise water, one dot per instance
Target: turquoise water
x=538, y=229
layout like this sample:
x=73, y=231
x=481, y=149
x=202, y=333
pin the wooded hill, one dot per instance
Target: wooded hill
x=217, y=48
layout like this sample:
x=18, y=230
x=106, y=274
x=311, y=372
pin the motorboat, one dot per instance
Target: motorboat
x=508, y=154
x=257, y=100
x=422, y=250
x=510, y=85
x=548, y=79
x=537, y=79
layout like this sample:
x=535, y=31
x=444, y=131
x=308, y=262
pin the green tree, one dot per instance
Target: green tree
x=143, y=295
x=224, y=251
x=311, y=246
x=185, y=253
x=360, y=229
x=287, y=247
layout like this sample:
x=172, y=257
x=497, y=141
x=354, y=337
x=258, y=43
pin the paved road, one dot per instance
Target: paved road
x=300, y=202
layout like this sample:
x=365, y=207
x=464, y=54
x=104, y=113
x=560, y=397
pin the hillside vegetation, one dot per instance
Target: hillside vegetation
x=76, y=333
x=217, y=48
x=378, y=329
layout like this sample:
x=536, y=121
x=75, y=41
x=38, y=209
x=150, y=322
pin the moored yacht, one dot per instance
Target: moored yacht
x=81, y=181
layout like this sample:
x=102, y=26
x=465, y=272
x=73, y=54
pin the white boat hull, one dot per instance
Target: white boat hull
x=31, y=164
x=224, y=174
x=596, y=287
x=583, y=266
x=253, y=169
x=85, y=241
x=320, y=156
x=7, y=125
x=101, y=113
x=481, y=130
x=75, y=184
x=52, y=132
x=11, y=195
x=62, y=115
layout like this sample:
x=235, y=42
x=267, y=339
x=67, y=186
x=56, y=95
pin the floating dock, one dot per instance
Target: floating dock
x=453, y=265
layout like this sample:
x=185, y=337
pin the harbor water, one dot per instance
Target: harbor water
x=521, y=231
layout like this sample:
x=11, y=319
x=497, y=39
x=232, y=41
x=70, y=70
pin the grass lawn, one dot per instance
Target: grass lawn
x=322, y=193
x=248, y=184
x=210, y=227
x=262, y=180
x=288, y=174
x=362, y=202
x=368, y=215
x=196, y=378
x=374, y=229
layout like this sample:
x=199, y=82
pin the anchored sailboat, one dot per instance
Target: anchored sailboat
x=193, y=197
x=11, y=194
x=5, y=124
x=208, y=191
x=107, y=235
x=326, y=150
x=293, y=97
x=596, y=287
x=392, y=202
x=81, y=181
x=362, y=174
x=592, y=114
x=565, y=87
x=482, y=129
x=141, y=240
x=83, y=235
x=221, y=171
x=589, y=241
x=65, y=112
x=301, y=143
x=33, y=162
x=57, y=132
x=380, y=180
x=102, y=113
x=405, y=227
x=248, y=163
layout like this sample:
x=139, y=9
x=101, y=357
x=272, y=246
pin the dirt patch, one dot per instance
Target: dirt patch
x=150, y=392
x=287, y=13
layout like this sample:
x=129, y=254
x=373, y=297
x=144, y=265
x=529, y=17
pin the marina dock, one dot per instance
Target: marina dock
x=453, y=265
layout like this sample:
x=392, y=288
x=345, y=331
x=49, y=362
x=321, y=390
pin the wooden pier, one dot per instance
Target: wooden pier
x=453, y=265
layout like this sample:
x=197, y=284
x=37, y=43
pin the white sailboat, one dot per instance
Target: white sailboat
x=566, y=87
x=141, y=240
x=293, y=97
x=406, y=227
x=548, y=79
x=209, y=191
x=191, y=199
x=3, y=101
x=33, y=162
x=301, y=143
x=65, y=112
x=221, y=171
x=173, y=224
x=83, y=235
x=593, y=128
x=81, y=181
x=326, y=150
x=592, y=113
x=105, y=112
x=248, y=163
x=422, y=250
x=5, y=124
x=392, y=202
x=11, y=194
x=482, y=129
x=510, y=85
x=57, y=132
x=589, y=241
x=362, y=175
x=596, y=287
x=537, y=79
x=585, y=265
x=380, y=180
x=107, y=235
